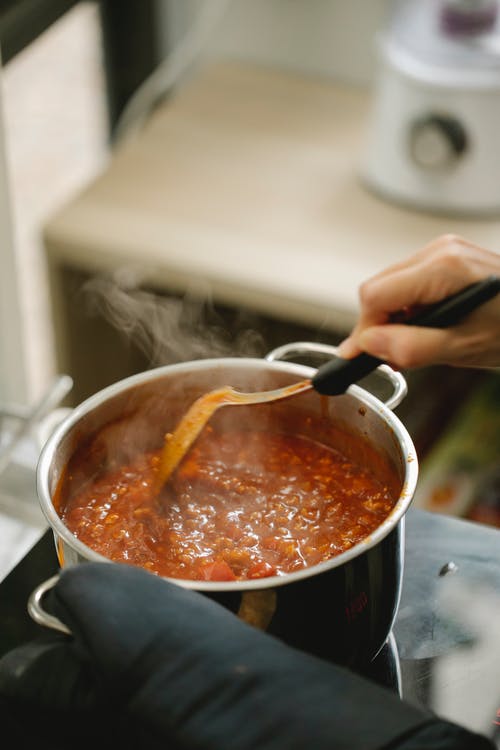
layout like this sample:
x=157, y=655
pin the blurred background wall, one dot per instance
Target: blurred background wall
x=325, y=37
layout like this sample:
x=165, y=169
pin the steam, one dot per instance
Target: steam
x=171, y=329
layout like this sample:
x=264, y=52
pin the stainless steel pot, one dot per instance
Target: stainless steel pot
x=342, y=609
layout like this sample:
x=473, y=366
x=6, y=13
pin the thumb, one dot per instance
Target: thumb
x=406, y=346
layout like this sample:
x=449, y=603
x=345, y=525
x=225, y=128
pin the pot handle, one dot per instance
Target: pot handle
x=287, y=351
x=37, y=612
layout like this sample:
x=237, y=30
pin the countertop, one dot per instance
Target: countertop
x=245, y=185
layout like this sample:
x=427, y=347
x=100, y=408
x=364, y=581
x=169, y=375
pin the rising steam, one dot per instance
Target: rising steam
x=171, y=329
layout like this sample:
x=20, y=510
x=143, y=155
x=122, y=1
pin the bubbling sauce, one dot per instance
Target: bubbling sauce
x=243, y=504
x=178, y=443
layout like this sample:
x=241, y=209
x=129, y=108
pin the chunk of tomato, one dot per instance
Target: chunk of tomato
x=261, y=570
x=217, y=571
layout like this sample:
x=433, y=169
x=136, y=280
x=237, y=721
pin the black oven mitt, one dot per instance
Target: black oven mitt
x=152, y=665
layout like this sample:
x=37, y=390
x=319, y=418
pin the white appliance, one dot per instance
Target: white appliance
x=434, y=133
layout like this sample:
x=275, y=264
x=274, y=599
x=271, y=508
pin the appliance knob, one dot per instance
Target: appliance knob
x=437, y=141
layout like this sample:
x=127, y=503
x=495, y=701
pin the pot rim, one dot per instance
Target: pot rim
x=405, y=442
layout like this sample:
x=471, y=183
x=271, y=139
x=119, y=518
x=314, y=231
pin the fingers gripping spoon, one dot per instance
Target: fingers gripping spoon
x=332, y=379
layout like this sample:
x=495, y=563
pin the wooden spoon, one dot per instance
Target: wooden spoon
x=178, y=443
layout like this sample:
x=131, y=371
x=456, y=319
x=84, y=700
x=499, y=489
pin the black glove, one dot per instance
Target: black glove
x=153, y=665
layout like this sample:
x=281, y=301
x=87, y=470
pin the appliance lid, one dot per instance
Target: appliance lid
x=422, y=40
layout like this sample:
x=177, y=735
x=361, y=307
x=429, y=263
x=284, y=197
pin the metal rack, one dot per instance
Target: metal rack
x=28, y=418
x=21, y=436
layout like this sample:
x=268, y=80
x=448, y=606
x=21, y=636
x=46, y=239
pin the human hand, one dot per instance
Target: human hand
x=441, y=268
x=152, y=665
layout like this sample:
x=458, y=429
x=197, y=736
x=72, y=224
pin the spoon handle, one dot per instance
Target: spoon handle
x=334, y=377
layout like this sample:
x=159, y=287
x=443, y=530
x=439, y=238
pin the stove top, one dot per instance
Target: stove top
x=444, y=652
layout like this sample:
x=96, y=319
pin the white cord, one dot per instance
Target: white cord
x=171, y=70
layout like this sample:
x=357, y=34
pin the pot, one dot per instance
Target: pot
x=342, y=609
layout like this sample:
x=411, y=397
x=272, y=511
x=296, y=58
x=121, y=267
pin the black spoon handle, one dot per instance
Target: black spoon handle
x=334, y=377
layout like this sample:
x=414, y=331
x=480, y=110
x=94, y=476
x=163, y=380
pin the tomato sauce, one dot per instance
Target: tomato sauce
x=241, y=505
